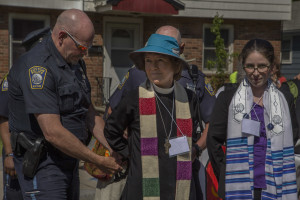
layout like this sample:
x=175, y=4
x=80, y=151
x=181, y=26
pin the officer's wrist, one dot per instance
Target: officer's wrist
x=9, y=155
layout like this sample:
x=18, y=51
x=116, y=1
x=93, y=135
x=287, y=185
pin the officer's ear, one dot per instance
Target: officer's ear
x=61, y=36
x=181, y=46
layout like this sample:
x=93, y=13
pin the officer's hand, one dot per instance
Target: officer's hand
x=110, y=165
x=9, y=166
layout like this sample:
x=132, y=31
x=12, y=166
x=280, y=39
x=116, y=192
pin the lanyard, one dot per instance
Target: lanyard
x=254, y=109
x=168, y=136
x=169, y=111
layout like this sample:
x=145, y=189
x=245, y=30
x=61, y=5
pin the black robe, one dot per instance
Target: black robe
x=126, y=115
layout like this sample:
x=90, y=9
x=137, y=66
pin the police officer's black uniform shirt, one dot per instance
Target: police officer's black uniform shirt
x=204, y=92
x=4, y=98
x=130, y=81
x=135, y=77
x=42, y=82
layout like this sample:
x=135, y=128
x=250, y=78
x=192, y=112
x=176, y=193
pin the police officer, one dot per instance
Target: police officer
x=51, y=112
x=192, y=79
x=11, y=187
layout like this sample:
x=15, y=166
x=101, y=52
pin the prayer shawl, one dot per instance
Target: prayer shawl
x=149, y=143
x=280, y=163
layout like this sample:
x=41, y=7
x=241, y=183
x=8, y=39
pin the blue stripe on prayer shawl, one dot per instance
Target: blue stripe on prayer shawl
x=239, y=197
x=266, y=195
x=289, y=183
x=239, y=194
x=289, y=159
x=279, y=162
x=289, y=166
x=237, y=142
x=278, y=169
x=278, y=187
x=269, y=162
x=237, y=161
x=288, y=149
x=237, y=172
x=271, y=175
x=237, y=180
x=270, y=183
x=237, y=156
x=289, y=171
x=289, y=191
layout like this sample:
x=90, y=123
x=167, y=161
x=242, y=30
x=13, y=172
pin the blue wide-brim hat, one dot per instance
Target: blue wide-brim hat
x=161, y=44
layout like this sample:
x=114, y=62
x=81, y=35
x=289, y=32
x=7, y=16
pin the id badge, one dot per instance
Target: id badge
x=250, y=127
x=179, y=146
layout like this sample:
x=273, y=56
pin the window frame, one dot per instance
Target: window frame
x=108, y=22
x=230, y=47
x=33, y=17
x=290, y=61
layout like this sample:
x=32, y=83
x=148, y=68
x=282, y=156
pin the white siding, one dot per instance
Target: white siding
x=238, y=9
x=50, y=4
x=294, y=23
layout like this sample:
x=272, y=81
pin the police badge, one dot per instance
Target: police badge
x=37, y=76
x=4, y=85
x=208, y=87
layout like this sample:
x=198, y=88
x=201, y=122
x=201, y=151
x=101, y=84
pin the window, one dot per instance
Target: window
x=122, y=43
x=20, y=26
x=122, y=35
x=209, y=47
x=286, y=51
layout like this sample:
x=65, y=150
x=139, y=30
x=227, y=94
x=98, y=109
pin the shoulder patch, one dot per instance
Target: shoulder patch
x=208, y=87
x=37, y=75
x=123, y=81
x=4, y=84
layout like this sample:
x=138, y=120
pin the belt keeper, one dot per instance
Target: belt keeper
x=9, y=154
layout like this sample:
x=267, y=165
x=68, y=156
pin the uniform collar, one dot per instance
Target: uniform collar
x=185, y=73
x=57, y=57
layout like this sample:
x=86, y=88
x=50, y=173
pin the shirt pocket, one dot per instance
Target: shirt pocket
x=67, y=97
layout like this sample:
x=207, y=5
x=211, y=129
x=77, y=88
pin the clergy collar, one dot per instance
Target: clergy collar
x=163, y=90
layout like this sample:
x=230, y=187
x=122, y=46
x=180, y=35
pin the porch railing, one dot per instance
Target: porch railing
x=103, y=91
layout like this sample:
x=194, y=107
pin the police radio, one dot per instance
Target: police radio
x=193, y=71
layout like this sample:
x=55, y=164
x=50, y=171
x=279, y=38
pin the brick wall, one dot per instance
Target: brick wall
x=192, y=33
x=4, y=43
x=191, y=30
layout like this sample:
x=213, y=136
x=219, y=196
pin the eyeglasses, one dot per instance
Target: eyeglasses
x=78, y=45
x=260, y=68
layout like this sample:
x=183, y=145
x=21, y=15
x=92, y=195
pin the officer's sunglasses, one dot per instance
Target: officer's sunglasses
x=78, y=45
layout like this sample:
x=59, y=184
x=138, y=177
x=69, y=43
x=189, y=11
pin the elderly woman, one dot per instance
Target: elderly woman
x=257, y=124
x=159, y=115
